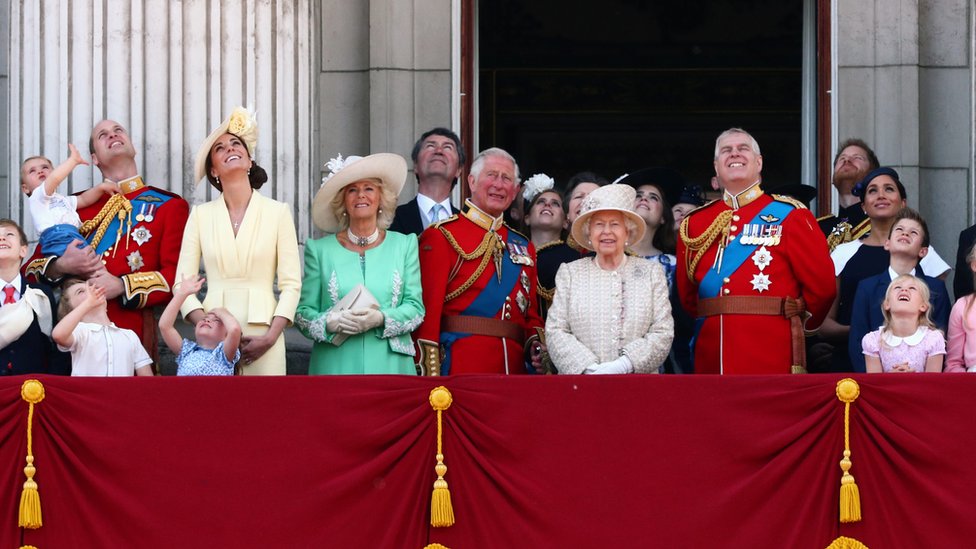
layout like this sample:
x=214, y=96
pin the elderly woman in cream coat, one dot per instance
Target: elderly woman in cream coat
x=245, y=240
x=610, y=313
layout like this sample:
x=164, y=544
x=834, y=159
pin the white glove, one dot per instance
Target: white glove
x=337, y=323
x=363, y=319
x=591, y=369
x=621, y=365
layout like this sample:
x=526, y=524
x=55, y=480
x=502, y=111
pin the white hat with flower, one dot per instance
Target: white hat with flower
x=390, y=169
x=241, y=123
x=536, y=185
x=608, y=198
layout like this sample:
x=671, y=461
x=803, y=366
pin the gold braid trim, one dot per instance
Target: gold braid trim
x=701, y=243
x=491, y=242
x=545, y=293
x=117, y=206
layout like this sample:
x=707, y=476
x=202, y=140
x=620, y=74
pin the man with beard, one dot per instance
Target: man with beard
x=853, y=161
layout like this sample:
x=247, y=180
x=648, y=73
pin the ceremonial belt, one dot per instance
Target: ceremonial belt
x=479, y=325
x=788, y=307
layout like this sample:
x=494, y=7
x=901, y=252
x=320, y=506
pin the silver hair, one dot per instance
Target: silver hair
x=733, y=131
x=388, y=204
x=479, y=162
x=628, y=222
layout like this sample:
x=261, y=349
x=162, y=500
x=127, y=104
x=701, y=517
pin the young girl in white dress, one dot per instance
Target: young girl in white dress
x=908, y=341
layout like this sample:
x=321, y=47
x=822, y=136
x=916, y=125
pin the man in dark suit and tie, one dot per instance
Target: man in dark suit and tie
x=437, y=161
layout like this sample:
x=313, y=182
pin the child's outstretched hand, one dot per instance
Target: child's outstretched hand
x=95, y=297
x=107, y=187
x=188, y=285
x=75, y=156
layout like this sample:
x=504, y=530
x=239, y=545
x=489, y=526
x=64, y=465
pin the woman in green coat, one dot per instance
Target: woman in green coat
x=361, y=294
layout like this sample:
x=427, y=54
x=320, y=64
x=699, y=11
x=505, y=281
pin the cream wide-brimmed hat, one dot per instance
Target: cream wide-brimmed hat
x=608, y=198
x=241, y=123
x=389, y=168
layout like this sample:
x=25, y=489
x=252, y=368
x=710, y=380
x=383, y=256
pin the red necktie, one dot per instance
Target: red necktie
x=8, y=294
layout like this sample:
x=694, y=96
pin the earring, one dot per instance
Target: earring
x=343, y=214
x=249, y=171
x=627, y=243
x=217, y=177
x=380, y=210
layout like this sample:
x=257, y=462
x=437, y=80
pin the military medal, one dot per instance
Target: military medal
x=777, y=234
x=135, y=261
x=762, y=258
x=149, y=216
x=141, y=235
x=523, y=302
x=524, y=279
x=760, y=282
x=142, y=211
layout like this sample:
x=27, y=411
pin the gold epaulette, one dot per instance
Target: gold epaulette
x=547, y=245
x=789, y=200
x=843, y=233
x=36, y=268
x=824, y=217
x=447, y=220
x=138, y=286
x=517, y=232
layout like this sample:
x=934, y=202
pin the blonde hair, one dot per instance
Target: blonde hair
x=64, y=305
x=924, y=317
x=384, y=217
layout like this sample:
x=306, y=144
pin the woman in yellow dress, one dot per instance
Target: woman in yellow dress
x=246, y=241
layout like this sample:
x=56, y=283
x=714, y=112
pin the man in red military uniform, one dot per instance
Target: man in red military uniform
x=751, y=268
x=136, y=235
x=479, y=282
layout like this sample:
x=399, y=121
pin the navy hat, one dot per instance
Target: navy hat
x=859, y=189
x=799, y=191
x=670, y=182
x=691, y=194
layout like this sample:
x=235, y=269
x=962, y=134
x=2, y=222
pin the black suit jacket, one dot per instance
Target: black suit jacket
x=34, y=352
x=962, y=283
x=407, y=218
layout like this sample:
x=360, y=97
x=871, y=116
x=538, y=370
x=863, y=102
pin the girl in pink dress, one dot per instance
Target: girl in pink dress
x=908, y=341
x=962, y=328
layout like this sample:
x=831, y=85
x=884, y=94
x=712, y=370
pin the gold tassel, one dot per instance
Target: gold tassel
x=436, y=546
x=850, y=498
x=27, y=547
x=846, y=543
x=441, y=511
x=30, y=500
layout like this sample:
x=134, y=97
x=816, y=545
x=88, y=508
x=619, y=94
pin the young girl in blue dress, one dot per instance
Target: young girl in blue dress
x=218, y=336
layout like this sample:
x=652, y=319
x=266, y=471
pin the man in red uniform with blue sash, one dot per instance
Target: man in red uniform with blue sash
x=752, y=268
x=479, y=282
x=136, y=235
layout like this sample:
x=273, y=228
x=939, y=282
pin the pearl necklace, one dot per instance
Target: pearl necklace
x=363, y=241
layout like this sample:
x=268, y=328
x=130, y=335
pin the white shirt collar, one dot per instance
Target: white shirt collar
x=16, y=282
x=425, y=203
x=894, y=275
x=893, y=341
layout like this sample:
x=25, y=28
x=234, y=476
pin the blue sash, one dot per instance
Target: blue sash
x=733, y=257
x=145, y=199
x=736, y=252
x=489, y=302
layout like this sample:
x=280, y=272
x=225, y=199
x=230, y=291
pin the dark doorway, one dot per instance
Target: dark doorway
x=617, y=85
